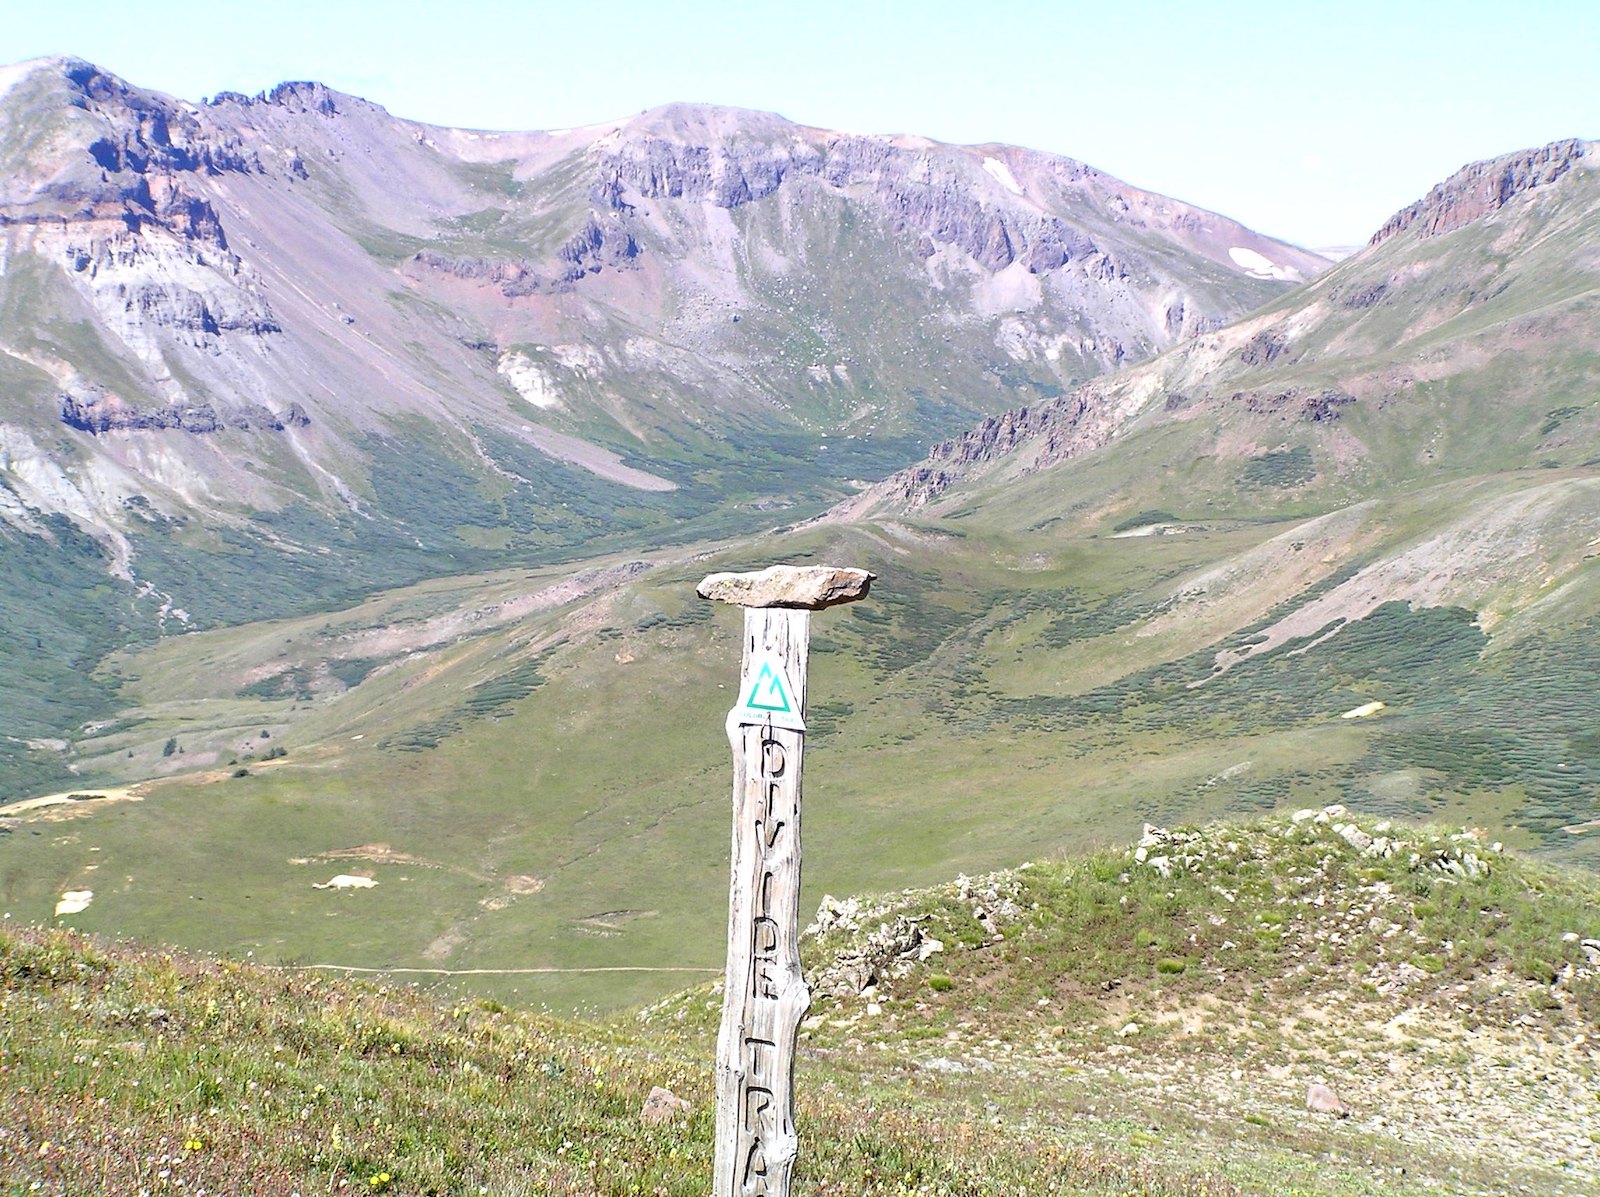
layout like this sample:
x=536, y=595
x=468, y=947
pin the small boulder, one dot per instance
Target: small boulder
x=1320, y=1099
x=663, y=1106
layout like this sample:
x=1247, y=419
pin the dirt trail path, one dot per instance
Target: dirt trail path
x=497, y=972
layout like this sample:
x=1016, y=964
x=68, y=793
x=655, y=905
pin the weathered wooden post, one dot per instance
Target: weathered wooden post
x=765, y=996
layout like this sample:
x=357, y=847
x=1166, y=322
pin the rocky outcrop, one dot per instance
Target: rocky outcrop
x=1264, y=348
x=293, y=96
x=148, y=133
x=128, y=214
x=601, y=243
x=597, y=245
x=98, y=414
x=1317, y=406
x=1055, y=425
x=1068, y=426
x=1484, y=187
x=1362, y=297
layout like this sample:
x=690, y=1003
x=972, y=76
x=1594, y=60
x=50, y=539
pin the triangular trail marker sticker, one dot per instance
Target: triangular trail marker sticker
x=768, y=695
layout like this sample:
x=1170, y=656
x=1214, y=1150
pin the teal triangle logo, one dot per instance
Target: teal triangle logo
x=769, y=693
x=769, y=697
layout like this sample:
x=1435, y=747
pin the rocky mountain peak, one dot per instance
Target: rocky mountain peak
x=1480, y=188
x=294, y=96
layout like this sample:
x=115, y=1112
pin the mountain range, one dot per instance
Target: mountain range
x=293, y=294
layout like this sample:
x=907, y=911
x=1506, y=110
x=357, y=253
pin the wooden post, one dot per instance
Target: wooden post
x=765, y=996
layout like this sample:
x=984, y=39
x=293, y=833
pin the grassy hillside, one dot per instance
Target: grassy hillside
x=1143, y=1020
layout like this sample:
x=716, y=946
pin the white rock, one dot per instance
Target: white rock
x=1355, y=837
x=1131, y=1028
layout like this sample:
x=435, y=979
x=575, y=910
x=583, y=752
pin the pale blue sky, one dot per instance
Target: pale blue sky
x=1310, y=121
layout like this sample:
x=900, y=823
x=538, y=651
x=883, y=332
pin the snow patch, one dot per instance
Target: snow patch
x=11, y=75
x=1001, y=173
x=529, y=380
x=1143, y=530
x=347, y=881
x=74, y=901
x=1365, y=709
x=1258, y=266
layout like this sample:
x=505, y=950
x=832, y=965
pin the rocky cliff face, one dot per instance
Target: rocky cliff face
x=1480, y=188
x=102, y=413
x=924, y=191
x=1057, y=428
x=126, y=219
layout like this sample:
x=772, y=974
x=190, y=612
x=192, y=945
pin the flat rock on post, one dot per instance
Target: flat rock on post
x=807, y=587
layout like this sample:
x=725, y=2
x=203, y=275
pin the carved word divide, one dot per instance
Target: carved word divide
x=765, y=1074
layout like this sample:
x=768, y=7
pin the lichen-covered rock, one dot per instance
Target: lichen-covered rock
x=810, y=587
